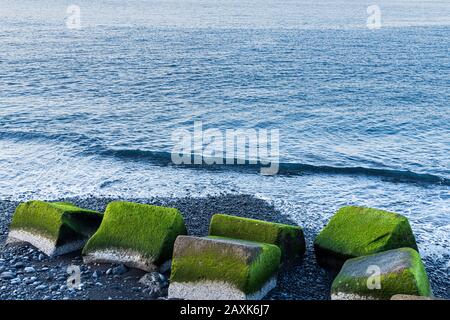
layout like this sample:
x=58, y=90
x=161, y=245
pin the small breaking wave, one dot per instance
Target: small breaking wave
x=285, y=168
x=84, y=145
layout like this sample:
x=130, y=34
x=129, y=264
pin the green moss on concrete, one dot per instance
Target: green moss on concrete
x=417, y=269
x=289, y=238
x=358, y=231
x=55, y=220
x=410, y=279
x=146, y=229
x=221, y=263
x=263, y=268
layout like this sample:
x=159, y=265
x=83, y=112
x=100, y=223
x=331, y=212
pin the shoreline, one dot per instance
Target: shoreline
x=304, y=280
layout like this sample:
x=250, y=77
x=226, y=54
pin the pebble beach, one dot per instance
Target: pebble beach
x=29, y=274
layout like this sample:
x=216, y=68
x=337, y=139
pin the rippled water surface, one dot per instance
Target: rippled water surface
x=363, y=114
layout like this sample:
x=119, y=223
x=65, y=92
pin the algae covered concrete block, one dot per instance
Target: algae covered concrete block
x=410, y=297
x=55, y=228
x=381, y=276
x=290, y=239
x=137, y=235
x=358, y=231
x=216, y=268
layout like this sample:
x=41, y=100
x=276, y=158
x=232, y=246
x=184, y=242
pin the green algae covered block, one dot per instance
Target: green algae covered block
x=290, y=239
x=411, y=297
x=381, y=276
x=358, y=231
x=55, y=228
x=138, y=235
x=217, y=268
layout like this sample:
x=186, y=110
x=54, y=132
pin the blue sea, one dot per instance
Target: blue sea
x=363, y=114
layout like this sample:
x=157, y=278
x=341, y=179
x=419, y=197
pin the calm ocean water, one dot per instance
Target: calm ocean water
x=363, y=114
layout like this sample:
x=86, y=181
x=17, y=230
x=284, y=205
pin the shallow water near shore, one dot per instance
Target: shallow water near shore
x=363, y=114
